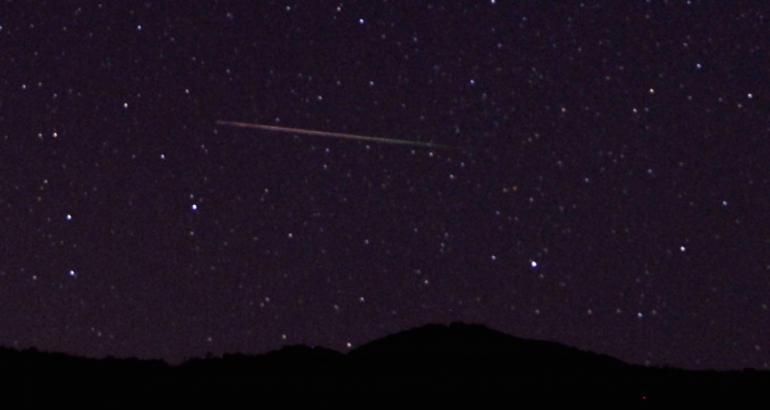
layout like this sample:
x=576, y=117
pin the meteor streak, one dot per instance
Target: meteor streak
x=329, y=134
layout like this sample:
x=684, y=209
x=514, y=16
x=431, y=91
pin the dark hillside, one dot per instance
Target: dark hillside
x=436, y=362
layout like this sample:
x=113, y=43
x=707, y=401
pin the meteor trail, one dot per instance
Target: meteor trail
x=329, y=134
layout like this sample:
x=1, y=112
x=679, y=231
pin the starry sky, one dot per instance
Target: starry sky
x=606, y=187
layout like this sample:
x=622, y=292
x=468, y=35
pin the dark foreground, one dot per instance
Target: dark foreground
x=433, y=364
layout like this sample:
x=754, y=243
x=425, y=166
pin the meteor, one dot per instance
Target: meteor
x=328, y=134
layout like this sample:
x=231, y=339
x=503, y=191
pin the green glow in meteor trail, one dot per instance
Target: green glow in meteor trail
x=330, y=134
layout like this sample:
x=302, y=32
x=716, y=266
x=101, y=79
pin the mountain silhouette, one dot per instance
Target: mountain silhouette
x=437, y=363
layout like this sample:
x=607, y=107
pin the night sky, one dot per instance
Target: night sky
x=608, y=186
